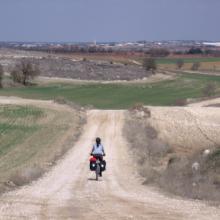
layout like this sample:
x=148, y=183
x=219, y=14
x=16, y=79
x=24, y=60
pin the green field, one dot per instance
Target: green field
x=120, y=96
x=187, y=60
x=31, y=136
x=16, y=124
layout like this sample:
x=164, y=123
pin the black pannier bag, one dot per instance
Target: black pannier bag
x=103, y=165
x=92, y=165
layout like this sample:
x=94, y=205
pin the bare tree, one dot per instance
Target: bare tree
x=150, y=64
x=24, y=71
x=16, y=74
x=1, y=75
x=180, y=63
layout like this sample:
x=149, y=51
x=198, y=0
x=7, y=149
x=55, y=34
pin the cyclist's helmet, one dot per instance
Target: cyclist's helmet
x=98, y=140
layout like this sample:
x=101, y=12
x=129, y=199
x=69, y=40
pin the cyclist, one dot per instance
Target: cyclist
x=98, y=151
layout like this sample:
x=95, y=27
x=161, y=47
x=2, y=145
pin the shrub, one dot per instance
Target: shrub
x=209, y=89
x=181, y=102
x=180, y=63
x=140, y=110
x=150, y=64
x=195, y=66
x=137, y=106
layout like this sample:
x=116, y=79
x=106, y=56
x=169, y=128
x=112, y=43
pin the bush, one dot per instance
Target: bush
x=195, y=66
x=181, y=102
x=180, y=63
x=137, y=106
x=209, y=90
x=141, y=110
x=150, y=64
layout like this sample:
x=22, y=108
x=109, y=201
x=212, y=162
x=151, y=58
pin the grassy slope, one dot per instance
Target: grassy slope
x=30, y=136
x=116, y=96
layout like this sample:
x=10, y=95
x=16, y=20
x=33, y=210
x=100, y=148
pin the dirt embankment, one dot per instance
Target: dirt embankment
x=182, y=154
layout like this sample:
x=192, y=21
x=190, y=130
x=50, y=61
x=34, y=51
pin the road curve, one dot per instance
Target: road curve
x=69, y=191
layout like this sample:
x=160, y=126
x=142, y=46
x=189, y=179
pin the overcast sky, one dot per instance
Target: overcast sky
x=109, y=20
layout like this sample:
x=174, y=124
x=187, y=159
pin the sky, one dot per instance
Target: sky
x=109, y=20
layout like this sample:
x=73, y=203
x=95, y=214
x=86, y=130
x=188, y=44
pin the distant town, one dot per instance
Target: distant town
x=174, y=46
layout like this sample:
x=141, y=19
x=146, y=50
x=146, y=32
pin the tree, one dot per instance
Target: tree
x=179, y=63
x=195, y=66
x=209, y=89
x=1, y=75
x=24, y=71
x=150, y=64
x=194, y=50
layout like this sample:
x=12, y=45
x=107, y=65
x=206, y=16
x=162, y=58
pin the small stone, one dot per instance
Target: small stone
x=195, y=166
x=206, y=152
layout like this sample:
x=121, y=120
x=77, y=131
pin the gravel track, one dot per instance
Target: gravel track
x=69, y=191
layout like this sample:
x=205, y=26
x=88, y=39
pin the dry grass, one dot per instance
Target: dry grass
x=205, y=66
x=147, y=148
x=32, y=139
x=193, y=175
x=26, y=175
x=183, y=179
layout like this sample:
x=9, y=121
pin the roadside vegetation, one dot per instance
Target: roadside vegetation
x=32, y=139
x=193, y=175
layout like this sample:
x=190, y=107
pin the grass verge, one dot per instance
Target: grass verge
x=32, y=139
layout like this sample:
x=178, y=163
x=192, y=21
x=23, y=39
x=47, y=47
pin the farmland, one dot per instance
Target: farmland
x=32, y=138
x=120, y=96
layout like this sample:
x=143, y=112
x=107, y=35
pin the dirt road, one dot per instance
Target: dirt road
x=69, y=191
